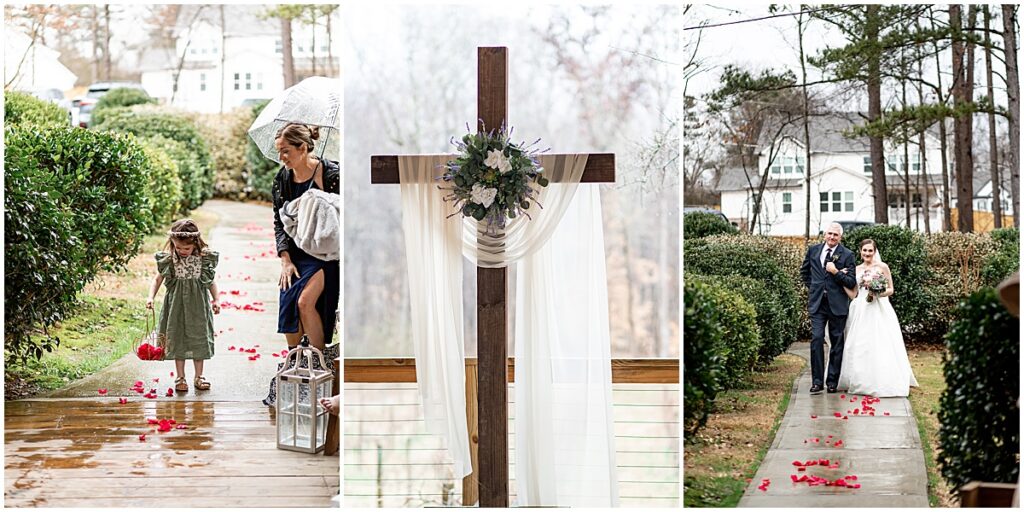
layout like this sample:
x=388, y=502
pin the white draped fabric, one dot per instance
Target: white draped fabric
x=434, y=258
x=565, y=451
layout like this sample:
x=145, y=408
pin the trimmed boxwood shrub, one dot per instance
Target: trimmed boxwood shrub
x=1006, y=259
x=903, y=250
x=21, y=108
x=701, y=224
x=163, y=184
x=725, y=256
x=768, y=317
x=980, y=420
x=196, y=169
x=191, y=172
x=741, y=300
x=226, y=136
x=75, y=204
x=119, y=97
x=703, y=358
x=260, y=171
x=954, y=262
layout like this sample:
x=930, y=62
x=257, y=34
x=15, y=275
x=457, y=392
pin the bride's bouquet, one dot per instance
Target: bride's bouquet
x=874, y=282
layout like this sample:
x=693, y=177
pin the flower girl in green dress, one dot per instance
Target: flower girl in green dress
x=187, y=267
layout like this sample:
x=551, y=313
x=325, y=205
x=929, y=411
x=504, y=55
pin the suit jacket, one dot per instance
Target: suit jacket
x=819, y=282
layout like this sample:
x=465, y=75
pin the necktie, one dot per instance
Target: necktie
x=828, y=255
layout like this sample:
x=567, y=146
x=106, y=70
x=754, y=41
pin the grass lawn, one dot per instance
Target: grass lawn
x=111, y=317
x=927, y=364
x=722, y=457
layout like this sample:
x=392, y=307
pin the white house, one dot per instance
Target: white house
x=32, y=66
x=840, y=181
x=252, y=58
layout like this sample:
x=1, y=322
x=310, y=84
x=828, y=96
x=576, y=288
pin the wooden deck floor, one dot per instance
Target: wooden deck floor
x=87, y=453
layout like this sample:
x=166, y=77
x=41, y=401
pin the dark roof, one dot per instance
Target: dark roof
x=827, y=135
x=733, y=178
x=239, y=20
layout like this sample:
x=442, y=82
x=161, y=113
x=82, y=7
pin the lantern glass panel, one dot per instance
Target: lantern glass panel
x=321, y=429
x=303, y=430
x=286, y=429
x=286, y=396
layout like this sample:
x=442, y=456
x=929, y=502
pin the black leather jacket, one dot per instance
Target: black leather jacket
x=282, y=192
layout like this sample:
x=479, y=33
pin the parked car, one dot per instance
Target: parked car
x=688, y=209
x=85, y=104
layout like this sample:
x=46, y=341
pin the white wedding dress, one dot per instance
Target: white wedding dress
x=875, y=360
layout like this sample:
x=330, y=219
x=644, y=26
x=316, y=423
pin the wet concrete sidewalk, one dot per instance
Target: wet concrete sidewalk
x=247, y=275
x=882, y=451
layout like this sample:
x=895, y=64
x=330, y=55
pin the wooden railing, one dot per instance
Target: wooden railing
x=631, y=378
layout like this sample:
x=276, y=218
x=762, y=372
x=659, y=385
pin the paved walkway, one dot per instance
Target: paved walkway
x=882, y=451
x=76, y=448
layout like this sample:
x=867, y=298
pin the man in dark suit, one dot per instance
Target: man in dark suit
x=827, y=269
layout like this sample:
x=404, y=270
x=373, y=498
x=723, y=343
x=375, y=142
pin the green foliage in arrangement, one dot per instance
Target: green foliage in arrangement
x=260, y=170
x=23, y=109
x=119, y=98
x=979, y=436
x=702, y=224
x=75, y=204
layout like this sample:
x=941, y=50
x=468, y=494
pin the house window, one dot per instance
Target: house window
x=787, y=165
x=259, y=81
x=777, y=165
x=916, y=200
x=278, y=47
x=837, y=201
x=202, y=81
x=787, y=202
x=237, y=81
x=323, y=48
x=915, y=162
x=800, y=164
x=867, y=165
x=824, y=201
x=248, y=81
x=193, y=51
x=848, y=201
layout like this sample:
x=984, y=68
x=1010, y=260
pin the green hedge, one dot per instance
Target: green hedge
x=21, y=108
x=194, y=162
x=75, y=204
x=1006, y=259
x=980, y=421
x=738, y=255
x=116, y=98
x=163, y=184
x=702, y=224
x=903, y=250
x=227, y=137
x=768, y=318
x=260, y=171
x=744, y=301
x=954, y=262
x=703, y=359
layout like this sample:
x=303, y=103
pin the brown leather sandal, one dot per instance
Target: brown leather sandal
x=201, y=383
x=180, y=384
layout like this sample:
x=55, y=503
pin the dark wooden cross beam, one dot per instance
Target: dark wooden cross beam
x=492, y=284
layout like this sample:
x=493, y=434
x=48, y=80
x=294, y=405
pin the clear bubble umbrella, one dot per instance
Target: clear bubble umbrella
x=313, y=101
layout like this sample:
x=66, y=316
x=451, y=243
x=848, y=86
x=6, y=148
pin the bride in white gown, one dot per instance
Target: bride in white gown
x=875, y=360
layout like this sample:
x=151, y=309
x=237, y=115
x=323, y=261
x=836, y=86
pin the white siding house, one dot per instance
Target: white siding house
x=840, y=182
x=252, y=59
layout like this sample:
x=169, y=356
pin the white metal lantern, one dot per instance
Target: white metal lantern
x=301, y=420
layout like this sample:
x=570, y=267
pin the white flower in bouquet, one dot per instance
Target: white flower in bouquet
x=482, y=195
x=496, y=160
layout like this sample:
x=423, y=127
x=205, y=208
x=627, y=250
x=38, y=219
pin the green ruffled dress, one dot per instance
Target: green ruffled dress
x=186, y=317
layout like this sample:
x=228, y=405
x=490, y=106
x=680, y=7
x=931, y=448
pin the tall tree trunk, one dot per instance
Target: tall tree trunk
x=312, y=51
x=947, y=221
x=963, y=76
x=288, y=64
x=906, y=155
x=926, y=202
x=874, y=85
x=223, y=55
x=106, y=40
x=807, y=129
x=330, y=45
x=1013, y=104
x=997, y=210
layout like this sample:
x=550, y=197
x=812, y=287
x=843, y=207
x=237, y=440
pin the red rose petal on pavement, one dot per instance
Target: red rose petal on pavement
x=122, y=400
x=101, y=391
x=886, y=413
x=142, y=437
x=181, y=427
x=150, y=395
x=172, y=374
x=801, y=469
x=138, y=384
x=855, y=486
x=843, y=397
x=845, y=418
x=232, y=347
x=838, y=415
x=170, y=392
x=856, y=411
x=797, y=463
x=152, y=421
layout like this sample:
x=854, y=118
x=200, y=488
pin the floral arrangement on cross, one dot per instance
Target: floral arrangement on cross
x=493, y=179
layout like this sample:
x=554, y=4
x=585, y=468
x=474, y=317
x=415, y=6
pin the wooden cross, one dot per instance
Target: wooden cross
x=491, y=283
